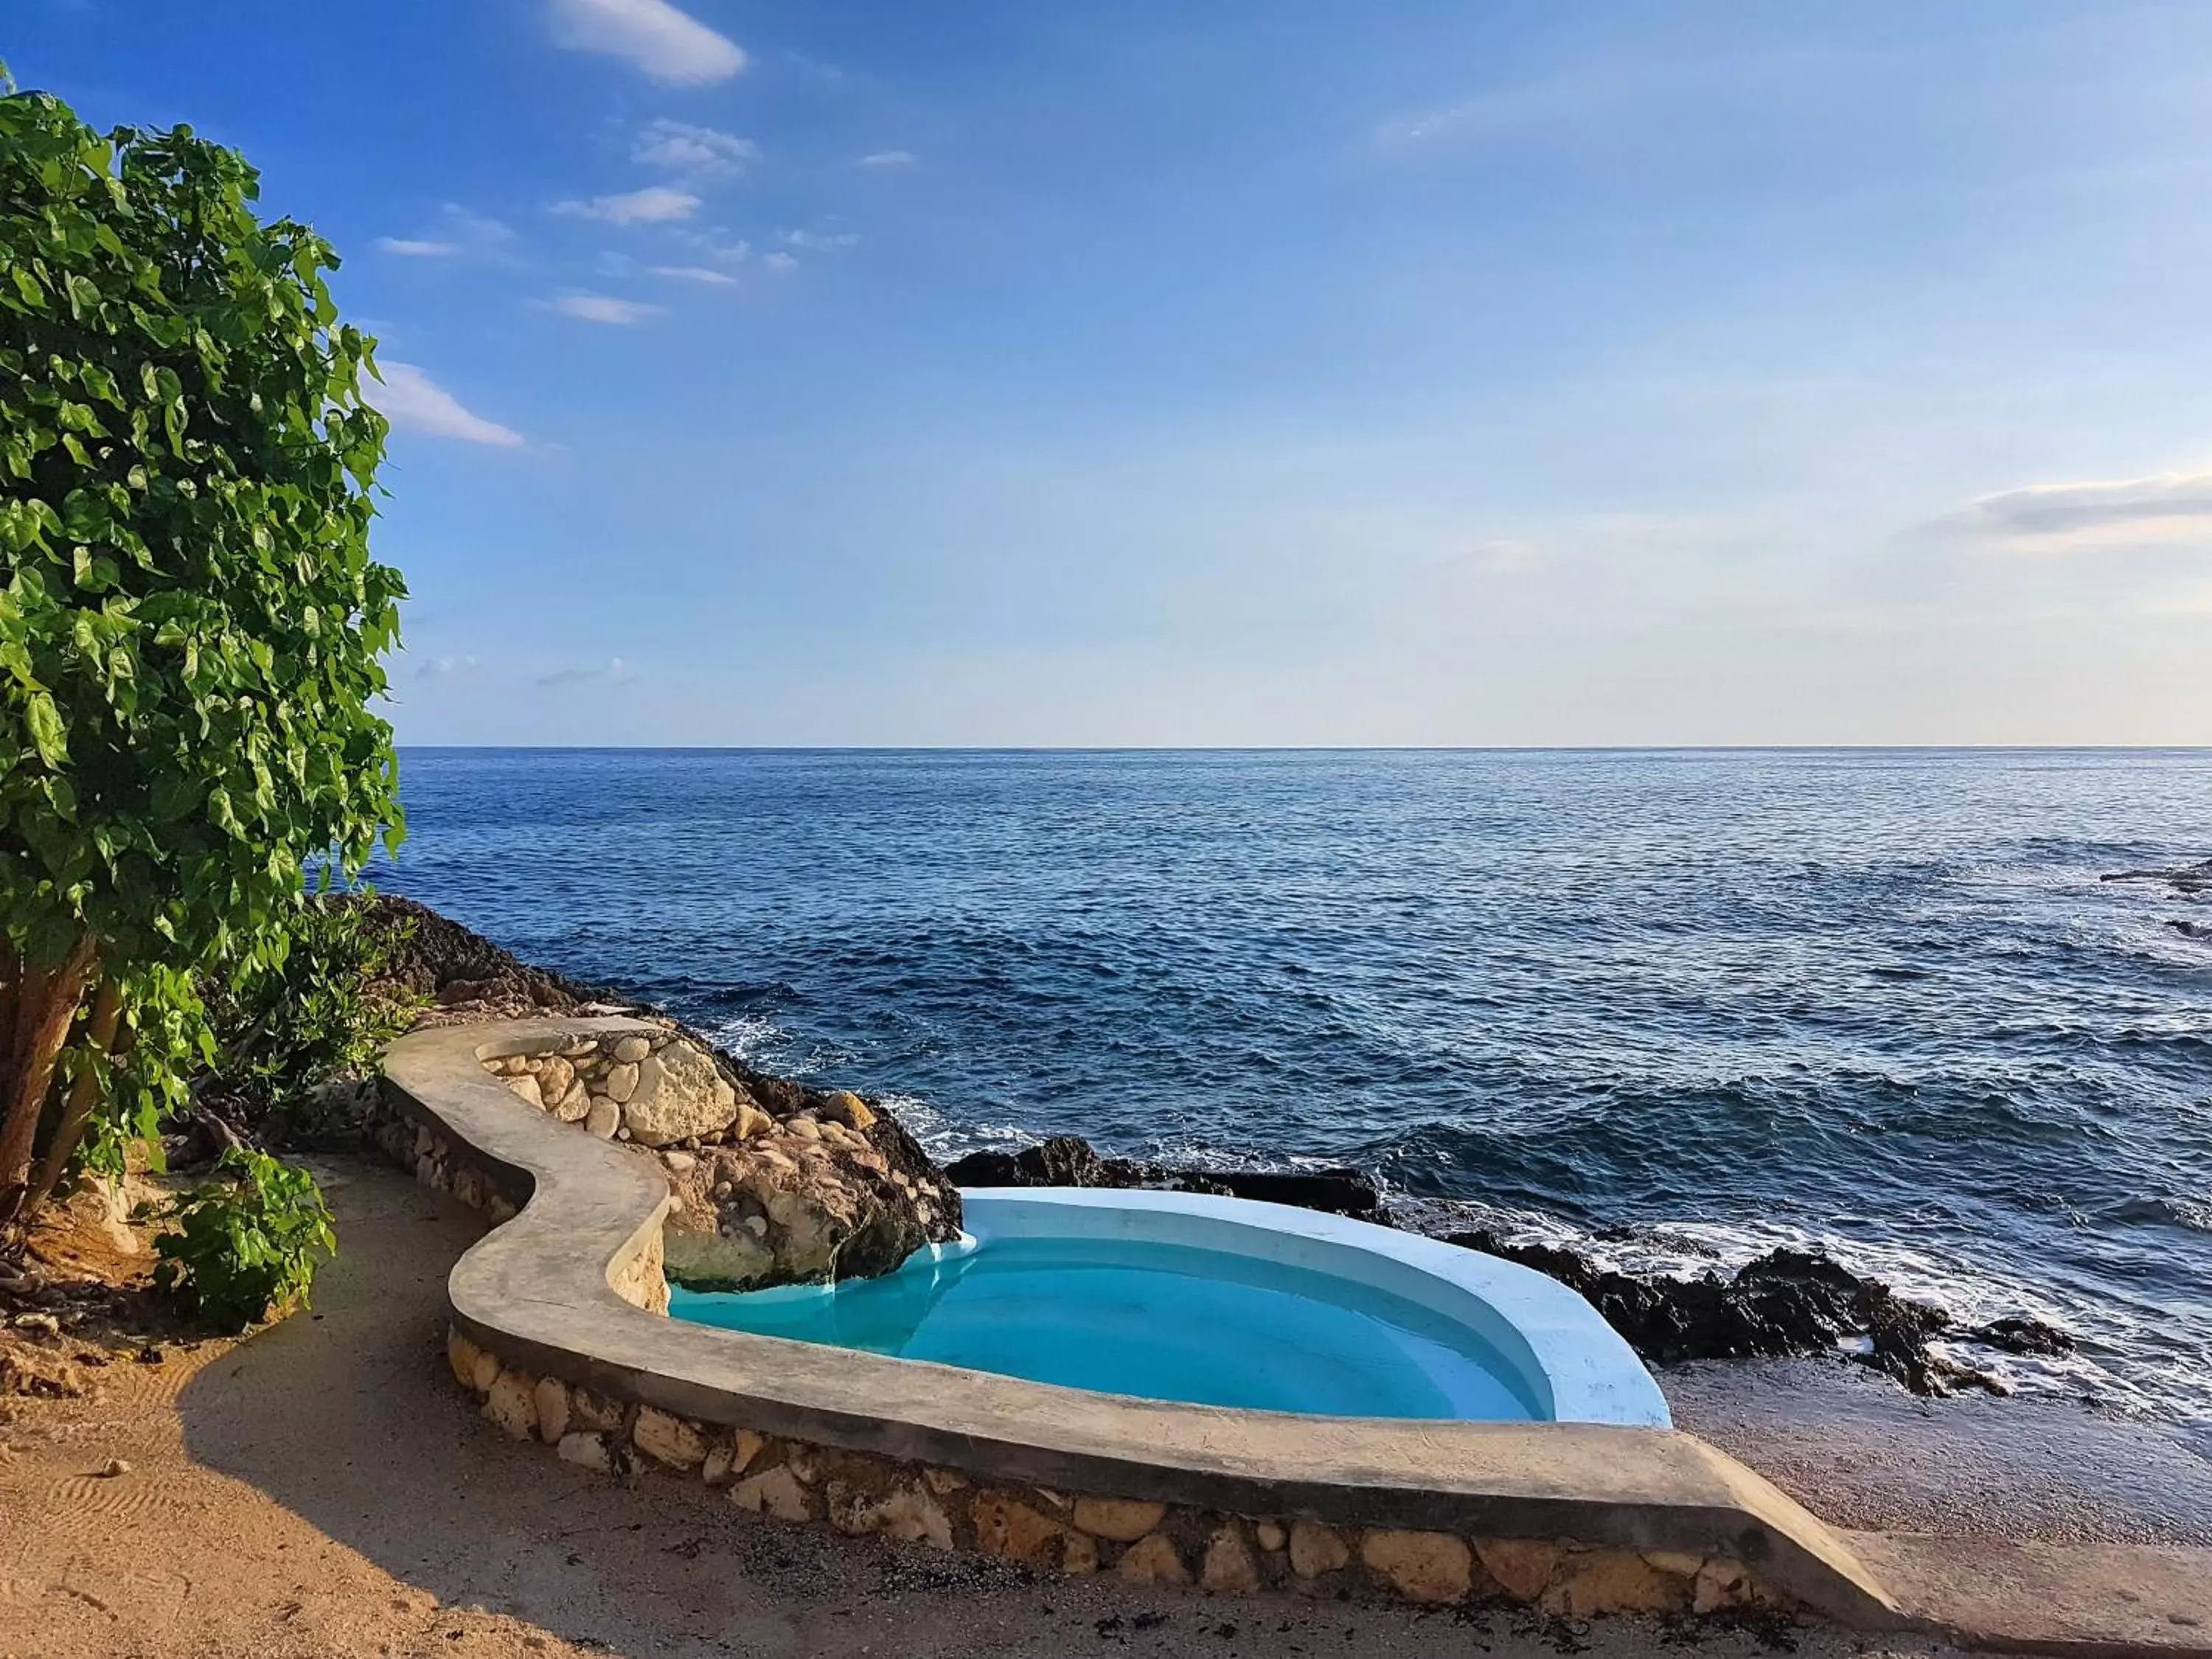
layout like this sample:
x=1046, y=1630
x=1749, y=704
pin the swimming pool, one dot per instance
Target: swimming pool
x=1223, y=1302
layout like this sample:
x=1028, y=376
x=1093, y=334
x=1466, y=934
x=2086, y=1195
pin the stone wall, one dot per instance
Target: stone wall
x=860, y=1494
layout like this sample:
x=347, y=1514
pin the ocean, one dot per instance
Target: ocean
x=1675, y=1007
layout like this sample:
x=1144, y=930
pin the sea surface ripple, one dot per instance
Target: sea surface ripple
x=1682, y=1005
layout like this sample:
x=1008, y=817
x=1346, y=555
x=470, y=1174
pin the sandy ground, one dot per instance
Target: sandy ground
x=323, y=1489
x=1859, y=1452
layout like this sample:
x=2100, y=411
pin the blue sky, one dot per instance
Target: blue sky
x=1254, y=371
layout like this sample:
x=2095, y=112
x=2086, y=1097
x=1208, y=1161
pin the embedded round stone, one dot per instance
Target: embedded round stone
x=1315, y=1549
x=1118, y=1519
x=1152, y=1560
x=679, y=1094
x=1421, y=1566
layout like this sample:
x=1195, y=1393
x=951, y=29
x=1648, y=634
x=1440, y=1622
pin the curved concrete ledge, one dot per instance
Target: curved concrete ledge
x=540, y=1290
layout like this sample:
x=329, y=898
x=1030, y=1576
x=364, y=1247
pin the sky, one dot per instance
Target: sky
x=1252, y=371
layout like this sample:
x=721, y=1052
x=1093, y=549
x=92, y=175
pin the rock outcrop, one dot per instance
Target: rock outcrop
x=463, y=974
x=811, y=1199
x=1070, y=1161
x=1785, y=1303
x=772, y=1183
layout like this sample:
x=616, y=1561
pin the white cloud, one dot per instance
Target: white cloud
x=655, y=205
x=413, y=402
x=2098, y=513
x=446, y=668
x=667, y=43
x=457, y=233
x=890, y=158
x=820, y=242
x=616, y=673
x=781, y=262
x=694, y=274
x=703, y=151
x=714, y=245
x=599, y=308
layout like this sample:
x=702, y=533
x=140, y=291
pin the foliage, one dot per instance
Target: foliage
x=242, y=1249
x=190, y=624
x=282, y=1030
x=146, y=1081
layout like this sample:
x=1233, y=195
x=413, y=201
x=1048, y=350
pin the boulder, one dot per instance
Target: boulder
x=779, y=1207
x=679, y=1095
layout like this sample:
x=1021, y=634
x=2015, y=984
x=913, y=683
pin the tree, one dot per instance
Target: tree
x=190, y=624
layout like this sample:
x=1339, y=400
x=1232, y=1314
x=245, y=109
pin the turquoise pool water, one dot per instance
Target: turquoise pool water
x=1160, y=1321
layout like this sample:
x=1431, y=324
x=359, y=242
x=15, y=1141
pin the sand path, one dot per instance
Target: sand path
x=323, y=1490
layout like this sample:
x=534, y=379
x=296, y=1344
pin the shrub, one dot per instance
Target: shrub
x=191, y=628
x=243, y=1248
x=283, y=1029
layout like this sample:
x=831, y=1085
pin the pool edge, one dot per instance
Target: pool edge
x=546, y=1289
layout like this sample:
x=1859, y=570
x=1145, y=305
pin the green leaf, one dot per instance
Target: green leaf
x=48, y=735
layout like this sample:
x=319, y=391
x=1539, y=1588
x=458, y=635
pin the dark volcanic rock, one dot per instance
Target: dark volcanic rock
x=1786, y=1302
x=1062, y=1161
x=1070, y=1161
x=457, y=968
x=1337, y=1191
x=2019, y=1335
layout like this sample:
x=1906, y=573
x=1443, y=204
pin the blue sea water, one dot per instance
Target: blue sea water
x=1681, y=1006
x=1160, y=1321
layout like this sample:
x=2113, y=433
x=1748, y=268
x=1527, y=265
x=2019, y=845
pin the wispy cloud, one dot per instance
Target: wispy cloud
x=614, y=672
x=702, y=152
x=599, y=308
x=458, y=233
x=716, y=244
x=655, y=205
x=2096, y=512
x=890, y=159
x=780, y=261
x=652, y=35
x=694, y=274
x=413, y=402
x=813, y=241
x=446, y=668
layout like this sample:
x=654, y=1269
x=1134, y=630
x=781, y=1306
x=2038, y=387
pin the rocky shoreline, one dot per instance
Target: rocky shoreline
x=775, y=1182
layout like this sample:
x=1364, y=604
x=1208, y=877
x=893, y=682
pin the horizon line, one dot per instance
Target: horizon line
x=1321, y=748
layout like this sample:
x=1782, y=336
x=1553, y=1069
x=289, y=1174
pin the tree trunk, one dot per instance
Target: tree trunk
x=103, y=1035
x=46, y=1006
